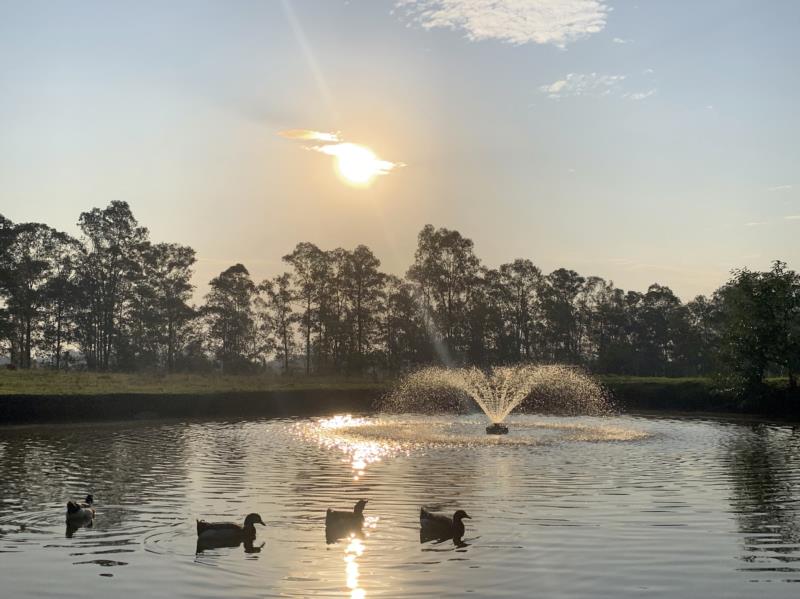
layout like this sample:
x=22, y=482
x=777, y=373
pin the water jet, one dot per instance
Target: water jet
x=498, y=391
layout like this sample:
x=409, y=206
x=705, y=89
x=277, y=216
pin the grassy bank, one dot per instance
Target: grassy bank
x=63, y=392
x=46, y=382
x=699, y=394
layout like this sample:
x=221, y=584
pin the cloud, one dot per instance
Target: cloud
x=309, y=135
x=792, y=217
x=639, y=95
x=648, y=71
x=578, y=84
x=780, y=187
x=755, y=224
x=619, y=40
x=556, y=22
x=592, y=84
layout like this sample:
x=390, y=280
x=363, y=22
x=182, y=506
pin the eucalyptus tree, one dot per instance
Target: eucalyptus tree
x=445, y=268
x=230, y=313
x=363, y=288
x=58, y=325
x=279, y=316
x=559, y=292
x=109, y=266
x=32, y=256
x=518, y=286
x=404, y=336
x=159, y=306
x=172, y=271
x=310, y=266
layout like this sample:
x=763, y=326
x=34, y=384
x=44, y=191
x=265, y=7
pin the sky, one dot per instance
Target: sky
x=637, y=141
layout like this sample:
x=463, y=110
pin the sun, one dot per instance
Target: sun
x=356, y=164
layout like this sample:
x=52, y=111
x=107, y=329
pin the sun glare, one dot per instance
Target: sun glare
x=356, y=164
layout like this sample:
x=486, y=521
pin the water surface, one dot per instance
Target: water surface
x=567, y=507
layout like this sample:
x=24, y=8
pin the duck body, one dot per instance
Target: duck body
x=341, y=523
x=80, y=511
x=436, y=525
x=228, y=534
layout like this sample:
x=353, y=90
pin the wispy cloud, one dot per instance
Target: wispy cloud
x=619, y=40
x=579, y=84
x=639, y=95
x=792, y=217
x=780, y=187
x=556, y=22
x=593, y=84
x=309, y=135
x=332, y=144
x=755, y=224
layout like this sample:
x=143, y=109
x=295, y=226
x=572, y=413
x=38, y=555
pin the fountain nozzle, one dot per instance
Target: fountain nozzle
x=497, y=428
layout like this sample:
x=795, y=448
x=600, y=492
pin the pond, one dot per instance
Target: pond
x=561, y=507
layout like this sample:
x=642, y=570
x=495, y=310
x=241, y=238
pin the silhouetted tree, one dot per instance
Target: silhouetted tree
x=279, y=316
x=310, y=265
x=445, y=267
x=32, y=256
x=760, y=324
x=231, y=319
x=109, y=266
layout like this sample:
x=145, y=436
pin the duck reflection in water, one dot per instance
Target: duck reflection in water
x=211, y=544
x=74, y=526
x=342, y=524
x=439, y=527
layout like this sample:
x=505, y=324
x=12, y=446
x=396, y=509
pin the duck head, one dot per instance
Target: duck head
x=460, y=515
x=253, y=519
x=90, y=499
x=360, y=505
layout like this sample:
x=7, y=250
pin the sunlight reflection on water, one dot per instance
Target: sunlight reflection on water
x=605, y=507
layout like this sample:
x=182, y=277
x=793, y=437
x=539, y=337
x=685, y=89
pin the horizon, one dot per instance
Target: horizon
x=559, y=144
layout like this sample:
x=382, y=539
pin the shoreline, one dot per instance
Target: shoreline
x=687, y=397
x=48, y=409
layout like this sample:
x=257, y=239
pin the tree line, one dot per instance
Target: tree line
x=114, y=300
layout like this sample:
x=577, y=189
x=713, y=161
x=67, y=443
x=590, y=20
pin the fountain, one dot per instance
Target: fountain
x=498, y=392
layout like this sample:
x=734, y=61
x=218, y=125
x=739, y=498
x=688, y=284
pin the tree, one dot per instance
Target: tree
x=363, y=284
x=310, y=269
x=60, y=292
x=518, y=288
x=445, y=267
x=32, y=255
x=559, y=293
x=279, y=316
x=405, y=340
x=760, y=324
x=109, y=265
x=171, y=269
x=229, y=309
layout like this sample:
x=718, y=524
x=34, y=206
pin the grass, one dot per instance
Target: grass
x=615, y=379
x=47, y=382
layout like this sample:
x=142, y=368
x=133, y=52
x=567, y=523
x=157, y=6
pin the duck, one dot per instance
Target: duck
x=225, y=533
x=80, y=512
x=442, y=526
x=342, y=517
x=341, y=523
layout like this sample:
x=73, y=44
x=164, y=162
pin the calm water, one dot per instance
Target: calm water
x=620, y=507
